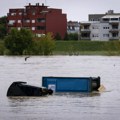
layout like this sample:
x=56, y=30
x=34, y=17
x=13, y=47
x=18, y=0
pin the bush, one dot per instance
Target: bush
x=44, y=45
x=57, y=36
x=73, y=36
x=2, y=48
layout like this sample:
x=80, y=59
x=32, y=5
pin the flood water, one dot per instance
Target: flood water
x=61, y=106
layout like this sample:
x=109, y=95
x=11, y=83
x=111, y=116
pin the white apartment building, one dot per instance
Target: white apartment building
x=107, y=28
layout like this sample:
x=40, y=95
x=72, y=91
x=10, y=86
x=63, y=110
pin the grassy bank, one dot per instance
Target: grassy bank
x=87, y=48
x=81, y=48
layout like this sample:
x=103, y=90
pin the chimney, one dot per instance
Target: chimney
x=37, y=4
x=110, y=12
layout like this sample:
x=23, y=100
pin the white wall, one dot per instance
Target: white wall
x=100, y=31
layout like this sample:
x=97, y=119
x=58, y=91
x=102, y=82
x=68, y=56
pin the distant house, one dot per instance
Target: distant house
x=101, y=27
x=73, y=27
x=39, y=19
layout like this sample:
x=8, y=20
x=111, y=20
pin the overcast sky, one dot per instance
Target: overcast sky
x=76, y=10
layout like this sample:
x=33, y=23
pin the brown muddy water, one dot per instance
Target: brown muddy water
x=61, y=106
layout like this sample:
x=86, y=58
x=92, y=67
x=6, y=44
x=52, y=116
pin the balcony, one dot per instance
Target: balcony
x=40, y=24
x=114, y=21
x=114, y=38
x=85, y=30
x=114, y=30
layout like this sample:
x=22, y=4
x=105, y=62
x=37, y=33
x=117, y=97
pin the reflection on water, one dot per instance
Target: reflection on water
x=78, y=95
x=61, y=106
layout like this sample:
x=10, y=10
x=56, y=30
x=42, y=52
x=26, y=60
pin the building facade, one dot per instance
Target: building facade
x=103, y=27
x=73, y=27
x=39, y=19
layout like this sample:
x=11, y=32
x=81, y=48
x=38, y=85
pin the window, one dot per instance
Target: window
x=98, y=19
x=33, y=13
x=92, y=19
x=39, y=35
x=19, y=21
x=20, y=13
x=40, y=19
x=114, y=34
x=95, y=27
x=114, y=19
x=11, y=22
x=95, y=35
x=40, y=27
x=70, y=27
x=87, y=27
x=73, y=28
x=105, y=27
x=33, y=28
x=12, y=14
x=27, y=21
x=25, y=13
x=105, y=35
x=114, y=26
x=106, y=19
x=33, y=21
x=18, y=28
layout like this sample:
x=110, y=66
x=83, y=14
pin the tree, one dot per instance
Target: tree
x=44, y=45
x=3, y=29
x=2, y=48
x=66, y=36
x=57, y=36
x=18, y=40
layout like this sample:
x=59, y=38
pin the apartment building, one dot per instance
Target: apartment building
x=39, y=19
x=103, y=27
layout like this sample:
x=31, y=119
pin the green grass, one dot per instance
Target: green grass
x=87, y=48
x=81, y=48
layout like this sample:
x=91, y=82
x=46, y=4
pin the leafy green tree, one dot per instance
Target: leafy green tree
x=44, y=45
x=3, y=20
x=57, y=36
x=18, y=40
x=3, y=28
x=66, y=37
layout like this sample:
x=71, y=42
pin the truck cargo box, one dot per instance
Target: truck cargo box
x=71, y=84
